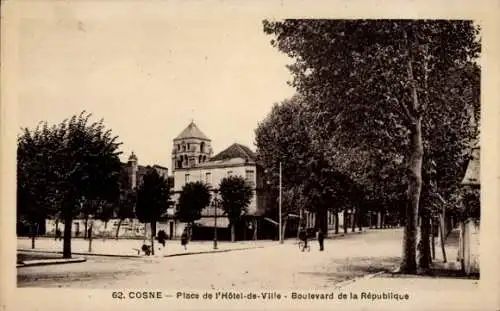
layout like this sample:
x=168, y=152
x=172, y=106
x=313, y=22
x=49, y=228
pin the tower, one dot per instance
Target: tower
x=132, y=170
x=191, y=148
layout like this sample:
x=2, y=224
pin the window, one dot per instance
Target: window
x=186, y=178
x=250, y=177
x=208, y=178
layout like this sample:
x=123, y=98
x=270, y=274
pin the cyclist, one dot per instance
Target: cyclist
x=303, y=236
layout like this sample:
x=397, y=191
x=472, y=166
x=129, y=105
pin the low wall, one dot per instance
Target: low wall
x=469, y=246
x=128, y=228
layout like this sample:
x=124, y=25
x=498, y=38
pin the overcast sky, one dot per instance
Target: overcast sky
x=147, y=76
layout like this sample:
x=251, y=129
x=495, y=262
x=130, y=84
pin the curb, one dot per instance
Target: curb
x=78, y=253
x=45, y=262
x=213, y=251
x=139, y=256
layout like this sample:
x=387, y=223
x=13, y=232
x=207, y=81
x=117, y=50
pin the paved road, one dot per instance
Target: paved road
x=275, y=266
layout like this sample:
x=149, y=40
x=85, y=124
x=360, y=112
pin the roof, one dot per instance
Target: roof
x=132, y=157
x=191, y=131
x=235, y=151
x=160, y=167
x=472, y=175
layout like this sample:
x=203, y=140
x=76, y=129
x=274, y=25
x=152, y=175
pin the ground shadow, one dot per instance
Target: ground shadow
x=339, y=270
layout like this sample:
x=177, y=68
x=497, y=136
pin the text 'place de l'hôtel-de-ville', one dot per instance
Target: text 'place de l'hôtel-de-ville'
x=193, y=159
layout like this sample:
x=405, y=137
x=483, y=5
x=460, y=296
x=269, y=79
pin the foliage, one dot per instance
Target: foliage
x=381, y=87
x=62, y=165
x=195, y=196
x=152, y=197
x=126, y=205
x=236, y=195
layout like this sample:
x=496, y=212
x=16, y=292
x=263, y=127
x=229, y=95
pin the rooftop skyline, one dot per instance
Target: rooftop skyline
x=149, y=75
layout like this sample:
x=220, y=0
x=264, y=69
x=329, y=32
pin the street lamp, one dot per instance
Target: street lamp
x=215, y=204
x=280, y=233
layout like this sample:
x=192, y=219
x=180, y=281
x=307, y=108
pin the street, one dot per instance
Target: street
x=273, y=266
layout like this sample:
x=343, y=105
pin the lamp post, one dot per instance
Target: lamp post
x=91, y=220
x=215, y=204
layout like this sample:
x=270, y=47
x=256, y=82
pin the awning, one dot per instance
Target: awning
x=271, y=221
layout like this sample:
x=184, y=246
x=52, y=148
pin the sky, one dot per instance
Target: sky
x=148, y=75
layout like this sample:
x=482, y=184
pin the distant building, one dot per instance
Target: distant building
x=192, y=161
x=134, y=173
x=132, y=176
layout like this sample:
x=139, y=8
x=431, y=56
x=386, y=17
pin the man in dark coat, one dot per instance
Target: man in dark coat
x=321, y=239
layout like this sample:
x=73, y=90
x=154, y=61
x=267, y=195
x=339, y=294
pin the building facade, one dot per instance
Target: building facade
x=192, y=161
x=132, y=175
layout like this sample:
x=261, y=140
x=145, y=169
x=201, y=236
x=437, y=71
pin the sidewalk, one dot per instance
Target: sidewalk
x=128, y=248
x=428, y=292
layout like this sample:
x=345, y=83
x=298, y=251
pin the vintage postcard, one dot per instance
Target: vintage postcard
x=211, y=155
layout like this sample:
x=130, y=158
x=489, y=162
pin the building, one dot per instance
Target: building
x=132, y=175
x=192, y=161
x=469, y=241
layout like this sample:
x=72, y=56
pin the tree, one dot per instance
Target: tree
x=372, y=82
x=36, y=196
x=80, y=161
x=195, y=196
x=125, y=209
x=152, y=200
x=236, y=195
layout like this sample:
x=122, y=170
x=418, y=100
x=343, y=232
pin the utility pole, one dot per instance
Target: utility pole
x=215, y=204
x=279, y=207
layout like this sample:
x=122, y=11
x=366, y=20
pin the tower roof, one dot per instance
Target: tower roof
x=192, y=131
x=132, y=157
x=235, y=151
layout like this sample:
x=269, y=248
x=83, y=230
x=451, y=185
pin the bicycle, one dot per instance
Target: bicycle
x=302, y=246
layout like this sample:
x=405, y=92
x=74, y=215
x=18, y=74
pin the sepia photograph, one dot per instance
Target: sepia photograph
x=186, y=161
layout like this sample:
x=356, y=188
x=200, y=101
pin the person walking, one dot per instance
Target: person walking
x=184, y=239
x=162, y=237
x=58, y=235
x=321, y=239
x=303, y=237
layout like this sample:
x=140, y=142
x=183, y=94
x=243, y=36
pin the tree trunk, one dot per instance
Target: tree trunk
x=360, y=220
x=57, y=224
x=255, y=229
x=233, y=236
x=284, y=229
x=86, y=227
x=89, y=236
x=433, y=239
x=441, y=237
x=409, y=264
x=145, y=233
x=425, y=250
x=336, y=222
x=153, y=234
x=33, y=235
x=353, y=219
x=68, y=222
x=345, y=220
x=118, y=228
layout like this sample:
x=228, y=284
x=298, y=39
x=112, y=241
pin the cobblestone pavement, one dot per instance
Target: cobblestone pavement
x=275, y=267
